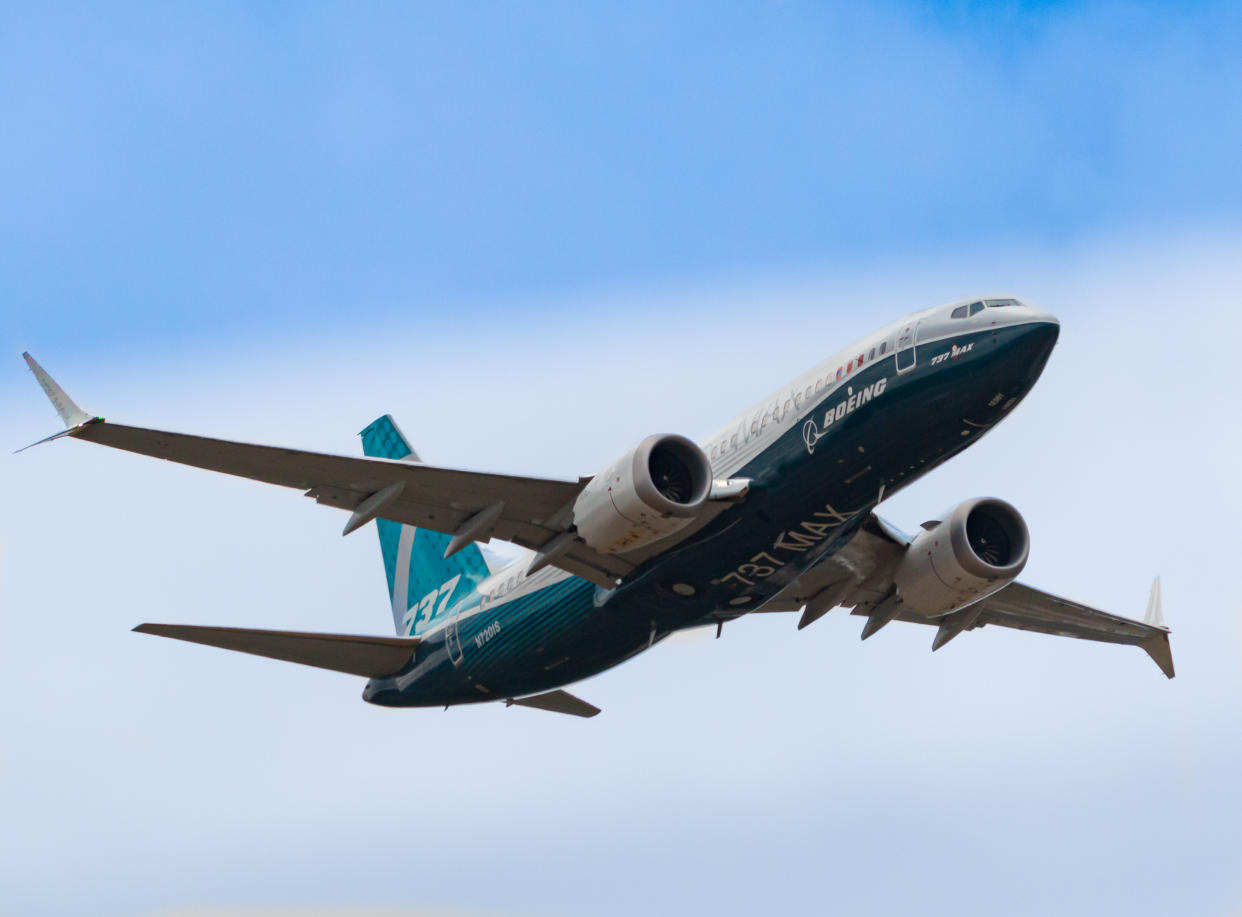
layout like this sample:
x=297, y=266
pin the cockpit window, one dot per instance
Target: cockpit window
x=959, y=312
x=976, y=308
x=994, y=303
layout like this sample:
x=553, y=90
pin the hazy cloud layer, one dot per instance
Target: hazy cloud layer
x=535, y=236
x=769, y=769
x=178, y=175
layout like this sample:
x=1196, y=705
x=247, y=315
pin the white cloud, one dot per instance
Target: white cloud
x=768, y=769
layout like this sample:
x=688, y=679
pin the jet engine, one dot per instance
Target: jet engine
x=655, y=489
x=978, y=549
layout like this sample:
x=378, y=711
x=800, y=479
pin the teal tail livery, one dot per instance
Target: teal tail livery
x=773, y=512
x=422, y=581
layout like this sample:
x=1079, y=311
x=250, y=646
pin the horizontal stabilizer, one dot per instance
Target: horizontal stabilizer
x=371, y=657
x=556, y=702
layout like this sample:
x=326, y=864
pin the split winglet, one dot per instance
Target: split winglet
x=1155, y=607
x=73, y=416
x=1157, y=647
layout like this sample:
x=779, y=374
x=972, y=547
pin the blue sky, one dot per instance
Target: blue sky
x=222, y=171
x=536, y=235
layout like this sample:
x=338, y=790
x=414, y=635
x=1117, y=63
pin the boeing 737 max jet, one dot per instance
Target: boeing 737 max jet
x=774, y=512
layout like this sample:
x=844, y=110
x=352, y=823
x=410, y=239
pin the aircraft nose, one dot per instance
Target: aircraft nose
x=1038, y=336
x=1039, y=315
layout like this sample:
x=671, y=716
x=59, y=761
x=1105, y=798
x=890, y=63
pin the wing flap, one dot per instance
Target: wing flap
x=370, y=657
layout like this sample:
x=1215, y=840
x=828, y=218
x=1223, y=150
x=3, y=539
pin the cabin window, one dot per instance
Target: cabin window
x=883, y=347
x=871, y=356
x=959, y=312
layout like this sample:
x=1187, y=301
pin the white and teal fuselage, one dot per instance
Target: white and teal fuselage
x=820, y=453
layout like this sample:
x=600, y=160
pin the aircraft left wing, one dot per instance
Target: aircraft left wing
x=533, y=512
x=860, y=575
x=1027, y=608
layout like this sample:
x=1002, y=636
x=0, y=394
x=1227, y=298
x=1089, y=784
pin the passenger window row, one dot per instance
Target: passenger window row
x=777, y=413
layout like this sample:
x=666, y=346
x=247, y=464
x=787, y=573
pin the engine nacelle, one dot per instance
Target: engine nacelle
x=978, y=549
x=655, y=489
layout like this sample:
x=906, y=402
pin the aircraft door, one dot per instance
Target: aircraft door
x=907, y=340
x=452, y=641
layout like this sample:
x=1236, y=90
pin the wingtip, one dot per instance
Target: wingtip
x=1155, y=606
x=69, y=412
x=1161, y=653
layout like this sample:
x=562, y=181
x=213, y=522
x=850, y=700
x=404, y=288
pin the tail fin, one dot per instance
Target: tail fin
x=422, y=582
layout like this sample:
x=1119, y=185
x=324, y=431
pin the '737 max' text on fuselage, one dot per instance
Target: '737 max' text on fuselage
x=772, y=512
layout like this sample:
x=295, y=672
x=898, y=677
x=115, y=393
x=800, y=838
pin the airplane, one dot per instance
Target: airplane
x=774, y=512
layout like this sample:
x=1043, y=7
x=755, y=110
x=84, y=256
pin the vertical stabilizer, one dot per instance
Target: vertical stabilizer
x=422, y=583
